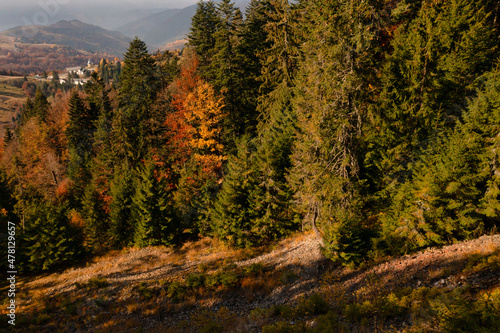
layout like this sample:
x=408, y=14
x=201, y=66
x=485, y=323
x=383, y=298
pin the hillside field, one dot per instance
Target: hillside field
x=289, y=286
x=11, y=101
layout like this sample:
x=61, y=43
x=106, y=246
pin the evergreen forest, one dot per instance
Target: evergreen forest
x=375, y=123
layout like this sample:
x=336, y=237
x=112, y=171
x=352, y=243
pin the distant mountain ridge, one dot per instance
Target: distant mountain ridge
x=75, y=34
x=161, y=28
x=167, y=26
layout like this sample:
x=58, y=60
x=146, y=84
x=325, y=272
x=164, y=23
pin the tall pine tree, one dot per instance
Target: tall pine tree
x=139, y=86
x=331, y=103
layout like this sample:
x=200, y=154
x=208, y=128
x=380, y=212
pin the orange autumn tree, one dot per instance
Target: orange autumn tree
x=193, y=142
x=204, y=113
x=32, y=161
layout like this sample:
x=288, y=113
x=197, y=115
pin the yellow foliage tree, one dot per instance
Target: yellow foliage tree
x=32, y=160
x=204, y=112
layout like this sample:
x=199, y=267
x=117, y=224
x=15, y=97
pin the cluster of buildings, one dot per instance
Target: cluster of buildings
x=80, y=71
x=81, y=77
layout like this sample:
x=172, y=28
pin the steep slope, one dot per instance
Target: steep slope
x=75, y=34
x=204, y=286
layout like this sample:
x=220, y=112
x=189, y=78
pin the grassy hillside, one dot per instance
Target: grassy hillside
x=11, y=101
x=288, y=287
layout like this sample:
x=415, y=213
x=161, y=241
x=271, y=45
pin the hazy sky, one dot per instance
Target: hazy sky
x=141, y=3
x=109, y=14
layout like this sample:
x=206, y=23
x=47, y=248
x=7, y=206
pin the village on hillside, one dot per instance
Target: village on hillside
x=73, y=75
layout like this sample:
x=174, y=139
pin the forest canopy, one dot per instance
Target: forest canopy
x=374, y=123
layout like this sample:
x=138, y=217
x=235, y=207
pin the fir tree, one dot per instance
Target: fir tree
x=331, y=104
x=121, y=225
x=232, y=218
x=225, y=71
x=80, y=133
x=204, y=24
x=152, y=209
x=139, y=86
x=49, y=240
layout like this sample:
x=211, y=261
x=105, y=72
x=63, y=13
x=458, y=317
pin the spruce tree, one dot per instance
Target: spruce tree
x=331, y=103
x=427, y=79
x=439, y=205
x=453, y=192
x=49, y=240
x=41, y=104
x=139, y=86
x=80, y=133
x=225, y=70
x=96, y=231
x=36, y=107
x=121, y=223
x=272, y=198
x=155, y=223
x=96, y=196
x=253, y=42
x=201, y=37
x=232, y=217
x=483, y=118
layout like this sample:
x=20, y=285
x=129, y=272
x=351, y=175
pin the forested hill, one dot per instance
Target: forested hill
x=373, y=123
x=75, y=34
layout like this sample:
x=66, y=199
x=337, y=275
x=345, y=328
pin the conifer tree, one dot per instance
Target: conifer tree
x=269, y=214
x=253, y=42
x=453, y=192
x=202, y=118
x=225, y=70
x=232, y=218
x=28, y=110
x=80, y=133
x=439, y=205
x=427, y=78
x=331, y=104
x=38, y=107
x=96, y=196
x=204, y=25
x=97, y=237
x=41, y=104
x=483, y=118
x=139, y=86
x=155, y=222
x=49, y=240
x=204, y=112
x=121, y=223
x=277, y=124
